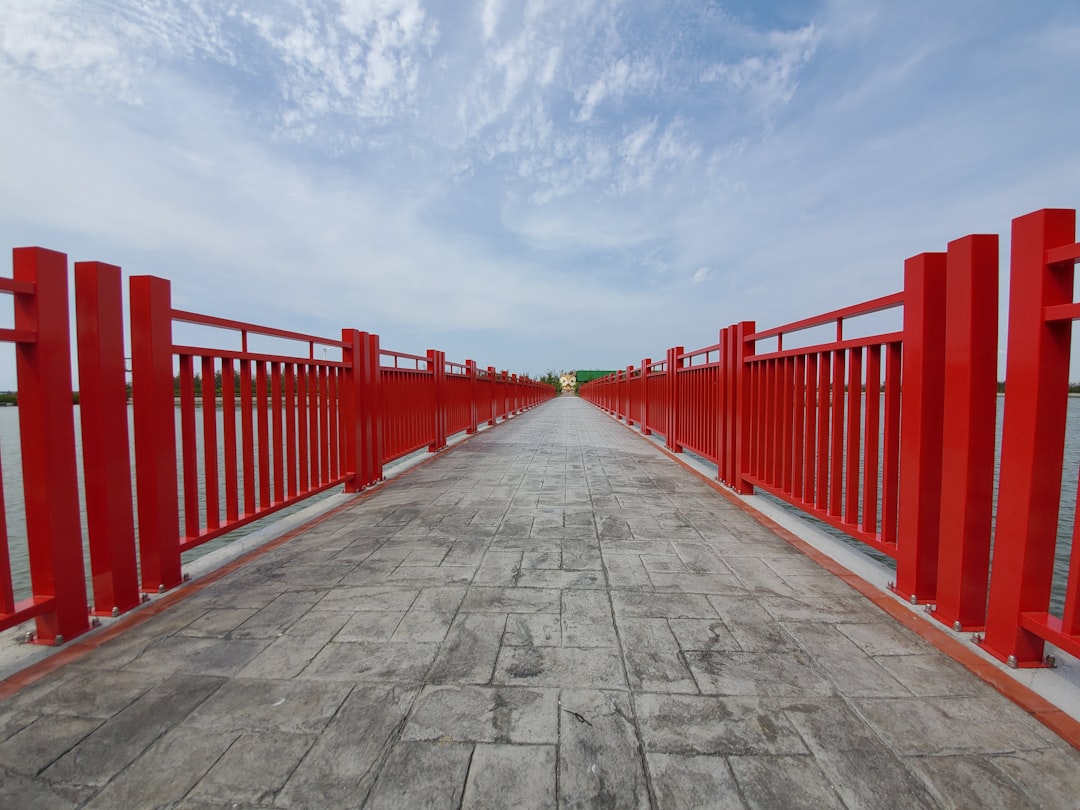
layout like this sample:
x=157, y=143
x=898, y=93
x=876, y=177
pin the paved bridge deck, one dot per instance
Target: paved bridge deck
x=551, y=614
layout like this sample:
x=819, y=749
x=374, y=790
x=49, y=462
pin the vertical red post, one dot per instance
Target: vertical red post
x=1033, y=435
x=629, y=395
x=645, y=429
x=674, y=362
x=352, y=359
x=155, y=432
x=923, y=385
x=474, y=397
x=744, y=417
x=370, y=405
x=110, y=520
x=47, y=433
x=436, y=361
x=968, y=430
x=493, y=385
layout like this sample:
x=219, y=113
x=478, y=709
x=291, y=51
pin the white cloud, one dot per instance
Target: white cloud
x=619, y=79
x=428, y=167
x=489, y=17
x=769, y=79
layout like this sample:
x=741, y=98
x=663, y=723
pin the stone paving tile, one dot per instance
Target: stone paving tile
x=551, y=615
x=708, y=724
x=468, y=654
x=533, y=630
x=170, y=768
x=422, y=774
x=485, y=714
x=338, y=770
x=600, y=762
x=391, y=662
x=654, y=660
x=291, y=706
x=680, y=781
x=115, y=743
x=518, y=776
x=784, y=781
x=560, y=666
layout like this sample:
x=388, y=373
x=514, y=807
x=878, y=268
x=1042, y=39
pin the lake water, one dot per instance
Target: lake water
x=12, y=480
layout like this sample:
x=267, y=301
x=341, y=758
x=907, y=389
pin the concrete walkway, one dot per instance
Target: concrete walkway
x=552, y=614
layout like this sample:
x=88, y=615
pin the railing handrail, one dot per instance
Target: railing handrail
x=245, y=328
x=836, y=316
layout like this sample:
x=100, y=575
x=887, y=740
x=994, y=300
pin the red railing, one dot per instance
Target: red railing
x=1041, y=315
x=46, y=424
x=222, y=436
x=890, y=437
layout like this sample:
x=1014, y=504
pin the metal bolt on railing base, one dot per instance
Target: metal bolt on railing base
x=928, y=609
x=976, y=638
x=115, y=612
x=27, y=637
x=914, y=599
x=1050, y=661
x=187, y=577
x=161, y=588
x=95, y=622
x=145, y=598
x=58, y=640
x=957, y=626
x=1011, y=661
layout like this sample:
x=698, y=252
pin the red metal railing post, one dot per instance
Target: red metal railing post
x=629, y=395
x=674, y=362
x=968, y=431
x=155, y=432
x=47, y=433
x=352, y=353
x=645, y=397
x=493, y=384
x=1033, y=435
x=110, y=517
x=474, y=397
x=369, y=405
x=923, y=385
x=744, y=415
x=436, y=361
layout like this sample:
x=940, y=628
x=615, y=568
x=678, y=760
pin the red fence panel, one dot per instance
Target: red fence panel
x=1041, y=316
x=40, y=334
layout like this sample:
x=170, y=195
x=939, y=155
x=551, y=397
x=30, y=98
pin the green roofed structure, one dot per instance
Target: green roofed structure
x=587, y=376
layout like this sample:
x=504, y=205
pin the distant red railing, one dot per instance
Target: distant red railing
x=890, y=438
x=223, y=436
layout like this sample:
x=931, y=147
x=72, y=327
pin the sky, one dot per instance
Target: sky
x=537, y=185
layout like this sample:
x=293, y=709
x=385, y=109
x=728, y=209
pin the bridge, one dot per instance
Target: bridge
x=549, y=609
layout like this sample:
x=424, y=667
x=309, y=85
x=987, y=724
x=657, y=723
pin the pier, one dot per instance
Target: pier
x=645, y=596
x=552, y=613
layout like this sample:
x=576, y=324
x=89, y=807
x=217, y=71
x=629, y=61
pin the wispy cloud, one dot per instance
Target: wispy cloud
x=545, y=180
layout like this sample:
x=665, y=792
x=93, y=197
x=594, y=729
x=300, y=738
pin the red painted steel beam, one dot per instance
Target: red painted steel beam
x=47, y=433
x=969, y=428
x=155, y=432
x=923, y=385
x=1033, y=435
x=835, y=316
x=110, y=520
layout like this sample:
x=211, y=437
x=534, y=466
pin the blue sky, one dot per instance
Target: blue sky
x=535, y=185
